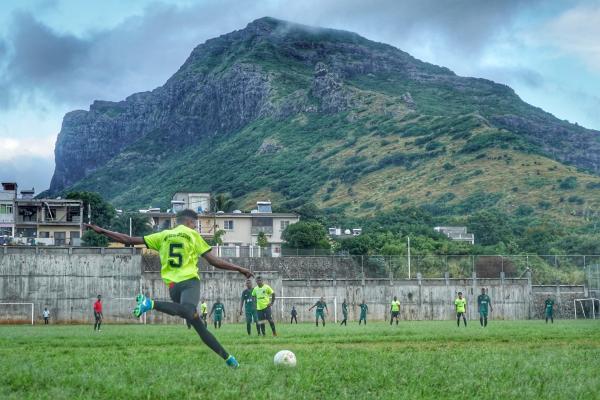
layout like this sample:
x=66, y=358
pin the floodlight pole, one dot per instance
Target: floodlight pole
x=335, y=309
x=408, y=240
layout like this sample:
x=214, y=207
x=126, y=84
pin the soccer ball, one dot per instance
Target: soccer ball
x=285, y=358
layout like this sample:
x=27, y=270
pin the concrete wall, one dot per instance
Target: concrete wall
x=68, y=280
x=68, y=284
x=563, y=296
x=420, y=300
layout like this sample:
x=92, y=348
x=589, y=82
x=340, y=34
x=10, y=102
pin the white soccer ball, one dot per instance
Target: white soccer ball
x=285, y=358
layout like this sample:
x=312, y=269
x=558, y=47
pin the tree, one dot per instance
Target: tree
x=305, y=235
x=491, y=227
x=222, y=202
x=262, y=240
x=93, y=239
x=102, y=212
x=140, y=224
x=217, y=240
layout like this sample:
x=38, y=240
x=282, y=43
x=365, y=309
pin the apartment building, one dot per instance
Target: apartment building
x=241, y=229
x=8, y=195
x=57, y=222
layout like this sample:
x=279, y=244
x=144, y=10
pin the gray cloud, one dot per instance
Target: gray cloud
x=42, y=56
x=514, y=76
x=28, y=172
x=143, y=51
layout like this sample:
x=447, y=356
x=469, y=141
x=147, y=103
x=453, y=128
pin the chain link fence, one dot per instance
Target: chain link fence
x=544, y=270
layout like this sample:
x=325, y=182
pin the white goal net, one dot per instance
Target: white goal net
x=302, y=304
x=16, y=313
x=586, y=308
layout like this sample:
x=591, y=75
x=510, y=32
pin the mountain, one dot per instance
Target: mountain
x=300, y=114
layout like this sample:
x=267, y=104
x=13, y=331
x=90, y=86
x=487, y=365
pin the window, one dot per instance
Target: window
x=228, y=225
x=44, y=235
x=6, y=209
x=284, y=224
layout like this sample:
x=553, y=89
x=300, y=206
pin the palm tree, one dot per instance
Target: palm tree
x=222, y=202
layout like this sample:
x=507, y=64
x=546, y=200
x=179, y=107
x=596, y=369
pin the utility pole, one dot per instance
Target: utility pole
x=408, y=239
x=89, y=213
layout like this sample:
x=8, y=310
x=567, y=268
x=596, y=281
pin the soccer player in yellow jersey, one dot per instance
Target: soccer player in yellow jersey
x=265, y=297
x=204, y=311
x=460, y=304
x=179, y=249
x=395, y=310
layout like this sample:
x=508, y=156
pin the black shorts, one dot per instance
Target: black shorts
x=186, y=292
x=97, y=315
x=395, y=314
x=264, y=314
x=460, y=314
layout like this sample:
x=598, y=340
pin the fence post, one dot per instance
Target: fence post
x=530, y=292
x=362, y=267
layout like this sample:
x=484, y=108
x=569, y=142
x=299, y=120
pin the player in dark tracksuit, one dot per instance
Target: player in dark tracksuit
x=294, y=315
x=249, y=305
x=345, y=312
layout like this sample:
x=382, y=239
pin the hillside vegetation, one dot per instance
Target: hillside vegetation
x=323, y=119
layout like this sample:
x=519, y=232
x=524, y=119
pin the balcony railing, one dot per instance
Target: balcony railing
x=38, y=220
x=7, y=219
x=267, y=230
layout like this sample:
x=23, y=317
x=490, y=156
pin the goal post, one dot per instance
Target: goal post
x=303, y=303
x=11, y=312
x=586, y=308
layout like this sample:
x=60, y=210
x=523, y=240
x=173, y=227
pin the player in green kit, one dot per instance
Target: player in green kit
x=249, y=305
x=321, y=310
x=364, y=309
x=345, y=312
x=265, y=297
x=549, y=308
x=460, y=304
x=483, y=302
x=395, y=310
x=179, y=249
x=218, y=309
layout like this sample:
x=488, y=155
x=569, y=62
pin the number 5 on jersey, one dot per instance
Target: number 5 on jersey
x=175, y=258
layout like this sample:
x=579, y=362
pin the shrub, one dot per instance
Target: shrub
x=568, y=183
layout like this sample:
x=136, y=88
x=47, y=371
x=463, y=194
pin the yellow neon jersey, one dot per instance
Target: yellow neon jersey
x=179, y=249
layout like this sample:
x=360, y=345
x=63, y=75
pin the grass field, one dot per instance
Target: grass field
x=507, y=360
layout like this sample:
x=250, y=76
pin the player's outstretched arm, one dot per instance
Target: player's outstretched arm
x=116, y=236
x=312, y=307
x=223, y=264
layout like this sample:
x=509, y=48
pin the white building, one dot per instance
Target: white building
x=241, y=230
x=458, y=233
x=197, y=201
x=8, y=195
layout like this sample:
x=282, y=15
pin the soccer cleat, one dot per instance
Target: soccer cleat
x=232, y=362
x=144, y=304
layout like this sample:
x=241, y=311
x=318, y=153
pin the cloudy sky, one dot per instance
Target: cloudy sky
x=60, y=55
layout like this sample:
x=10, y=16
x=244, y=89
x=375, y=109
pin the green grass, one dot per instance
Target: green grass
x=523, y=359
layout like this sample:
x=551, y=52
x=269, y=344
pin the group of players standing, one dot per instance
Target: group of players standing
x=179, y=249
